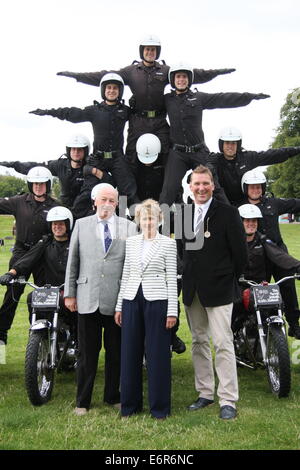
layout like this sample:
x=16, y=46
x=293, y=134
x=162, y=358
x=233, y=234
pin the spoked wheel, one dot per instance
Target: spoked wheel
x=278, y=362
x=39, y=378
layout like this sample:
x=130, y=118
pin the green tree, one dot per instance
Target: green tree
x=284, y=178
x=10, y=186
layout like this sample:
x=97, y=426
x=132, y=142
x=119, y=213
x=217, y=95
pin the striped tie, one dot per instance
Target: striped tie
x=198, y=221
x=107, y=237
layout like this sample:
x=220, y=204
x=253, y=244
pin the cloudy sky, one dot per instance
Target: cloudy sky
x=39, y=38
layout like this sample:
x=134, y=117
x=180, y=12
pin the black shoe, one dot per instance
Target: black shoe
x=227, y=412
x=200, y=403
x=178, y=345
x=294, y=331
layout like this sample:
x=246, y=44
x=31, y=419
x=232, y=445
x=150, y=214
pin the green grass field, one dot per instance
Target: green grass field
x=264, y=422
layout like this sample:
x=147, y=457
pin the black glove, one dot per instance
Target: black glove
x=224, y=71
x=97, y=161
x=6, y=278
x=87, y=170
x=93, y=160
x=39, y=112
x=66, y=74
x=132, y=102
x=261, y=96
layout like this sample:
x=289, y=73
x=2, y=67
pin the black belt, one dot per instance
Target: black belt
x=151, y=114
x=109, y=154
x=187, y=149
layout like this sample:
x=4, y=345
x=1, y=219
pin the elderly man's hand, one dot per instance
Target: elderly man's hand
x=71, y=304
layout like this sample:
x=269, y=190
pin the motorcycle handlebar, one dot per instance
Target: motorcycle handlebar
x=22, y=280
x=253, y=283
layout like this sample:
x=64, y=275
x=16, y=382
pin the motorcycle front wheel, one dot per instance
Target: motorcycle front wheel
x=39, y=377
x=278, y=362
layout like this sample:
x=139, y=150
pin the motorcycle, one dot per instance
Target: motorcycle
x=51, y=344
x=260, y=338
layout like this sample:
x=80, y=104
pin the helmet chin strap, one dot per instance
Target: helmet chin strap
x=76, y=161
x=39, y=196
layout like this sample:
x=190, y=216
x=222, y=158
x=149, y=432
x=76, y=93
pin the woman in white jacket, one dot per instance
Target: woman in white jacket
x=146, y=310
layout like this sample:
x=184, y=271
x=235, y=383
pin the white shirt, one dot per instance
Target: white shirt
x=204, y=207
x=111, y=225
x=145, y=249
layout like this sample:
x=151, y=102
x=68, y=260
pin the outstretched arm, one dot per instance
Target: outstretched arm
x=203, y=76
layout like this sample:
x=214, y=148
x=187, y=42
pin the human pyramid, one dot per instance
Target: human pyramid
x=165, y=162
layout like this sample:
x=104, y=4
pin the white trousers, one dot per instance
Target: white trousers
x=214, y=321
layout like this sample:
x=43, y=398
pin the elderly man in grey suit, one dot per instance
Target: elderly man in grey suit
x=94, y=271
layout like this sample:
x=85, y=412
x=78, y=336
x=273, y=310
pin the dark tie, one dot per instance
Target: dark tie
x=107, y=237
x=198, y=221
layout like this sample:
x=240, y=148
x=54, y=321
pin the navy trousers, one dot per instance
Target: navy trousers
x=144, y=331
x=90, y=327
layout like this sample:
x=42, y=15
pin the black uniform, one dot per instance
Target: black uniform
x=52, y=257
x=271, y=208
x=71, y=179
x=230, y=172
x=186, y=134
x=147, y=85
x=108, y=123
x=31, y=225
x=263, y=255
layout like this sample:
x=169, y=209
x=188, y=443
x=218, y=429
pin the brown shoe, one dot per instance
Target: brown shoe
x=80, y=411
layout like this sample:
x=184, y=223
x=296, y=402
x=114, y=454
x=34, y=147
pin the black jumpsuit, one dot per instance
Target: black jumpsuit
x=186, y=134
x=271, y=208
x=31, y=225
x=230, y=172
x=263, y=255
x=108, y=123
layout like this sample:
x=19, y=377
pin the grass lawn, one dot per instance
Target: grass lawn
x=264, y=422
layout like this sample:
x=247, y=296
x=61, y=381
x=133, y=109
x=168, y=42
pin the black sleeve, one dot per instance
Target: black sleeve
x=8, y=205
x=226, y=100
x=71, y=114
x=94, y=78
x=271, y=156
x=21, y=167
x=237, y=241
x=287, y=206
x=203, y=76
x=90, y=78
x=279, y=257
x=27, y=261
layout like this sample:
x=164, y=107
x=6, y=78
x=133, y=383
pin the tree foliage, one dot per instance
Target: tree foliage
x=10, y=186
x=284, y=178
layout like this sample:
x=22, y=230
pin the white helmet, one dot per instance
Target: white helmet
x=150, y=40
x=112, y=77
x=250, y=211
x=78, y=141
x=187, y=193
x=253, y=177
x=39, y=174
x=181, y=67
x=230, y=134
x=60, y=213
x=148, y=147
